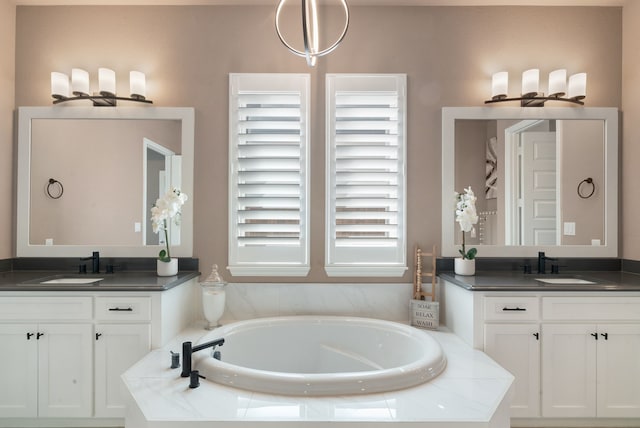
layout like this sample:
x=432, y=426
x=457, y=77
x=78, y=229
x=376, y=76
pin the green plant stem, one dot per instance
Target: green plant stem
x=464, y=253
x=166, y=239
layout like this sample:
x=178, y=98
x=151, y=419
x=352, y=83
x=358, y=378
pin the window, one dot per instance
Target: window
x=268, y=181
x=365, y=170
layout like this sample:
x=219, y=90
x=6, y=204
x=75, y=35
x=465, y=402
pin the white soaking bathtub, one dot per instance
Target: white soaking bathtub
x=320, y=355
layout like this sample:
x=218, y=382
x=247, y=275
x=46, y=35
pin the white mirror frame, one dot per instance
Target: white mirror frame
x=449, y=227
x=27, y=114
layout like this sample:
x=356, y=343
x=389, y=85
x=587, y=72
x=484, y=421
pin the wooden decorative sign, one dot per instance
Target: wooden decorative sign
x=422, y=312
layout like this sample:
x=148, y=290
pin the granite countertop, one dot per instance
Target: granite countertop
x=30, y=280
x=518, y=281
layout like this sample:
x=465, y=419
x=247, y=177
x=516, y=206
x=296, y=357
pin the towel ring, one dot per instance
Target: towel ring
x=56, y=187
x=587, y=180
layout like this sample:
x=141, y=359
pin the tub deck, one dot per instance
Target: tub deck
x=473, y=391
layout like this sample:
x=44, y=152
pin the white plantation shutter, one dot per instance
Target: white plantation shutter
x=366, y=185
x=268, y=135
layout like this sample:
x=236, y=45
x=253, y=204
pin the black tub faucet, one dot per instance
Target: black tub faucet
x=95, y=261
x=188, y=349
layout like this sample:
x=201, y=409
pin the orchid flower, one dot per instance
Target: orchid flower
x=466, y=216
x=166, y=208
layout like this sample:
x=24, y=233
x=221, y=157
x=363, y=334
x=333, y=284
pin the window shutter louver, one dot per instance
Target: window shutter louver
x=268, y=177
x=366, y=175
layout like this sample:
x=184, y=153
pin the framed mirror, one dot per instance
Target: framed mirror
x=88, y=177
x=546, y=179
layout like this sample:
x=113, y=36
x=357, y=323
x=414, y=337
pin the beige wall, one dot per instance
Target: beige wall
x=448, y=53
x=630, y=150
x=7, y=85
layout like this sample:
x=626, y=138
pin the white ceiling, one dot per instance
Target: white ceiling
x=351, y=2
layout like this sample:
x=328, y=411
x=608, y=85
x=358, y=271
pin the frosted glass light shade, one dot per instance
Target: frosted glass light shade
x=106, y=81
x=558, y=83
x=500, y=85
x=137, y=84
x=578, y=86
x=530, y=82
x=79, y=81
x=59, y=85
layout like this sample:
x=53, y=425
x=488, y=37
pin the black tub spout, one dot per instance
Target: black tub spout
x=188, y=349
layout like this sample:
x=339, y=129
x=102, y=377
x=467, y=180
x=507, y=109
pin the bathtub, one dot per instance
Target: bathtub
x=320, y=355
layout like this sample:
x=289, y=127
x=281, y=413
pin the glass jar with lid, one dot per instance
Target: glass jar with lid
x=213, y=298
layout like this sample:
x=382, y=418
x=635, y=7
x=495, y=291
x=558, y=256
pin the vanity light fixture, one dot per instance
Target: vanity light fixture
x=311, y=31
x=106, y=83
x=530, y=96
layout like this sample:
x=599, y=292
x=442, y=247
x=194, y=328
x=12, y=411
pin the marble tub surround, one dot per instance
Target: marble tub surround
x=258, y=300
x=472, y=391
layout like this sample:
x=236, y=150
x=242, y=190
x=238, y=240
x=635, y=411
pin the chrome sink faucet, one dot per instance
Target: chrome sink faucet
x=541, y=262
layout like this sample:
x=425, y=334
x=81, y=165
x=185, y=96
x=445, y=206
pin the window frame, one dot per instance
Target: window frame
x=268, y=260
x=358, y=260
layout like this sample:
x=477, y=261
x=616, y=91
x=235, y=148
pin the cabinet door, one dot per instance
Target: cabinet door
x=65, y=360
x=117, y=347
x=516, y=348
x=568, y=370
x=18, y=370
x=619, y=370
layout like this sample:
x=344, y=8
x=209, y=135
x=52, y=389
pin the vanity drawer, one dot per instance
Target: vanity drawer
x=45, y=308
x=591, y=308
x=123, y=308
x=511, y=308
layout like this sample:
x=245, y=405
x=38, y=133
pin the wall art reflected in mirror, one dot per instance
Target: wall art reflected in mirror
x=544, y=178
x=111, y=165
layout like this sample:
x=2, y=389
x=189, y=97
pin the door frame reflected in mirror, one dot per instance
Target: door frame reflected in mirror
x=185, y=115
x=449, y=228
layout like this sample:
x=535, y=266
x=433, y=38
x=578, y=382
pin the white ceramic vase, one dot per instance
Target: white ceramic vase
x=169, y=268
x=464, y=266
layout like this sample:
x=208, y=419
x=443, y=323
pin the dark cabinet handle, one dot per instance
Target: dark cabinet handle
x=98, y=335
x=116, y=309
x=519, y=309
x=39, y=335
x=536, y=335
x=605, y=335
x=29, y=335
x=595, y=335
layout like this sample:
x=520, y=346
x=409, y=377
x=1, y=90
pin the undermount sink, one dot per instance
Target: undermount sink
x=72, y=280
x=564, y=281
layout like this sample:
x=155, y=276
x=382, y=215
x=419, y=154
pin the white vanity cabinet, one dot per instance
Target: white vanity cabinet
x=62, y=353
x=516, y=347
x=122, y=337
x=49, y=362
x=590, y=365
x=574, y=355
x=19, y=368
x=512, y=339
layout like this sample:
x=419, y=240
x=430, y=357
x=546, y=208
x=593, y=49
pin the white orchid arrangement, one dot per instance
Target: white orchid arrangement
x=166, y=208
x=466, y=216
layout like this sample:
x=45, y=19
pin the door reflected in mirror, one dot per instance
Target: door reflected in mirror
x=162, y=168
x=526, y=174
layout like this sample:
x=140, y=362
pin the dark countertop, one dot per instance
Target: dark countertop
x=517, y=281
x=30, y=280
